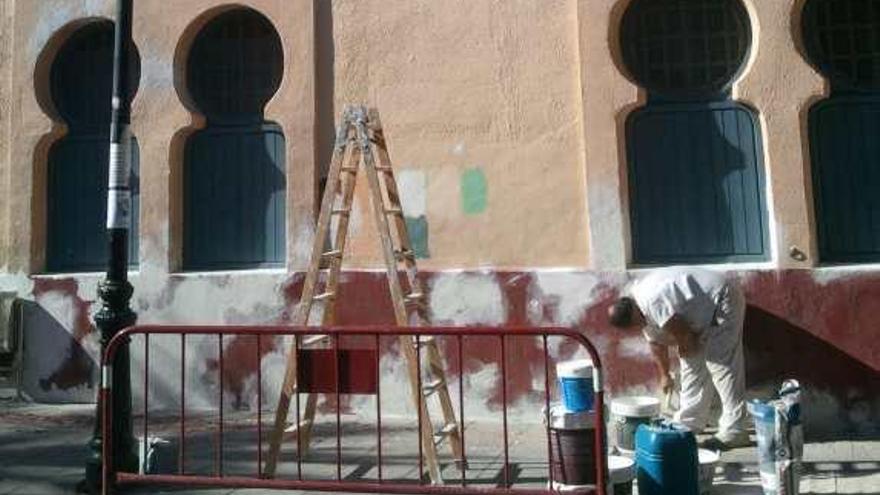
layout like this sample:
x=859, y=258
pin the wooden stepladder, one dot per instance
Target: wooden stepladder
x=360, y=143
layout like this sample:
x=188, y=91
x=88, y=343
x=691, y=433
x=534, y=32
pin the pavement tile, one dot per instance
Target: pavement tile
x=859, y=484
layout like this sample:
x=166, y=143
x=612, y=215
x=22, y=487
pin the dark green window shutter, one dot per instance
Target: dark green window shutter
x=235, y=201
x=696, y=184
x=845, y=156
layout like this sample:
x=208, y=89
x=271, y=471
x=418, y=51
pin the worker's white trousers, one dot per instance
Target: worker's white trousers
x=718, y=362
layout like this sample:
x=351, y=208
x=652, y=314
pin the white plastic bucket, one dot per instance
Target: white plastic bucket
x=563, y=419
x=622, y=472
x=628, y=413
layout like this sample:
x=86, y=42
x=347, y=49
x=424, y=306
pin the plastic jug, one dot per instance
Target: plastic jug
x=666, y=456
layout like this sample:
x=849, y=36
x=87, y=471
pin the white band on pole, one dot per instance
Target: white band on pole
x=119, y=187
x=106, y=376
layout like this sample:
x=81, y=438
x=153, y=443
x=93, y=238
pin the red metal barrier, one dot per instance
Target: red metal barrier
x=344, y=380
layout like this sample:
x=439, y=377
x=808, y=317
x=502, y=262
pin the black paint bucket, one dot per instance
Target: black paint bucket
x=573, y=443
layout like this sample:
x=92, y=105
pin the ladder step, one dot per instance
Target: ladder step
x=302, y=424
x=433, y=387
x=424, y=341
x=380, y=168
x=343, y=212
x=393, y=211
x=336, y=253
x=314, y=339
x=442, y=433
x=404, y=254
x=415, y=296
x=350, y=170
x=324, y=296
x=416, y=299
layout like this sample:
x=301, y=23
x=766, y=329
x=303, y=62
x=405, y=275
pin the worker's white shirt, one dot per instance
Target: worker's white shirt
x=691, y=293
x=715, y=309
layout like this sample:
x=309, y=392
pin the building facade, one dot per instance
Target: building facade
x=548, y=152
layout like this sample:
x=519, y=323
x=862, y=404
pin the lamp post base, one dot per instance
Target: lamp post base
x=114, y=316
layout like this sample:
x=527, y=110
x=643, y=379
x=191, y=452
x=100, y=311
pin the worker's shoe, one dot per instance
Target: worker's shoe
x=726, y=441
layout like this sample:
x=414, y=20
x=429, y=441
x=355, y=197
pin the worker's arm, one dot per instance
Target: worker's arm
x=661, y=359
x=686, y=338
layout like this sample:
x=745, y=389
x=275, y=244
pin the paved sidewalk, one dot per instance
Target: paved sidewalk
x=42, y=449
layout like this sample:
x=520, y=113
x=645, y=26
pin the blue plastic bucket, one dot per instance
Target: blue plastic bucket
x=576, y=384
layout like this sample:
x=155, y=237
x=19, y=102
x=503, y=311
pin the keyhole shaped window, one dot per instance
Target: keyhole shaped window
x=696, y=181
x=234, y=180
x=81, y=87
x=842, y=39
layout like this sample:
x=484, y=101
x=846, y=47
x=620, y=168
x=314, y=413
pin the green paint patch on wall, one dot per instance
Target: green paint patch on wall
x=418, y=235
x=474, y=191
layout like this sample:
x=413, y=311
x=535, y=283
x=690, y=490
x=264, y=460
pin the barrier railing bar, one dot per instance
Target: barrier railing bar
x=181, y=448
x=366, y=330
x=336, y=370
x=219, y=452
x=259, y=408
x=504, y=409
x=299, y=474
x=419, y=403
x=464, y=465
x=318, y=486
x=108, y=469
x=547, y=410
x=146, y=442
x=378, y=409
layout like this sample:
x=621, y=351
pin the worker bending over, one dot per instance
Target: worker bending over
x=701, y=313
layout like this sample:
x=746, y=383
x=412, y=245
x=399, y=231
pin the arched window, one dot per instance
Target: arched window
x=694, y=155
x=842, y=38
x=81, y=86
x=234, y=179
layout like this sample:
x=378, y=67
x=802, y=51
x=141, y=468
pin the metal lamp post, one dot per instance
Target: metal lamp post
x=115, y=291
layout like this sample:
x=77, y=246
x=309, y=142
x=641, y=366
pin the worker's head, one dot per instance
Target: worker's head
x=625, y=313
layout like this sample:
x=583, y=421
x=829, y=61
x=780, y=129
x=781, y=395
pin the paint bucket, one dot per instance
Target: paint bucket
x=708, y=461
x=573, y=442
x=621, y=473
x=576, y=384
x=627, y=414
